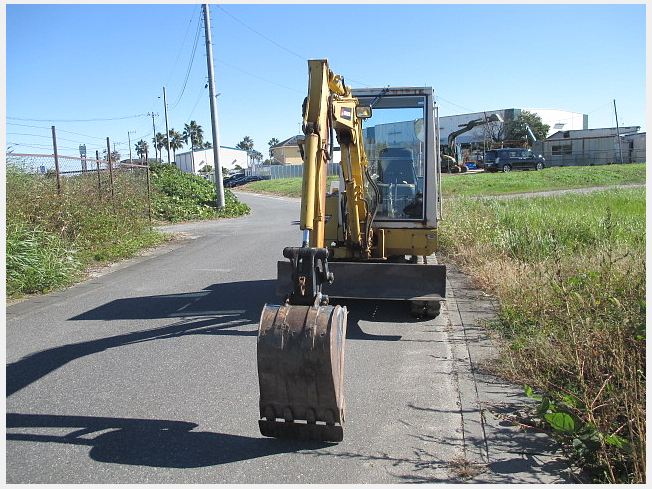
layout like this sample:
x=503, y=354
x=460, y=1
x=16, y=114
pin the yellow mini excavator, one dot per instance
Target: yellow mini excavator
x=370, y=237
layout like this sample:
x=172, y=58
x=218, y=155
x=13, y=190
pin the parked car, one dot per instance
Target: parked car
x=231, y=180
x=508, y=159
x=242, y=179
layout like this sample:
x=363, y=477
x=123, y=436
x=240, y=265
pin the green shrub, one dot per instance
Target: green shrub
x=181, y=196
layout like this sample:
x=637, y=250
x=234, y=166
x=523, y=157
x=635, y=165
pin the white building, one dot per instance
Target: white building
x=194, y=161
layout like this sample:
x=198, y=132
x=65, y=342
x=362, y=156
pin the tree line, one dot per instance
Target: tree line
x=193, y=136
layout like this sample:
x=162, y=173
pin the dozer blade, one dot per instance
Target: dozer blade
x=378, y=280
x=301, y=371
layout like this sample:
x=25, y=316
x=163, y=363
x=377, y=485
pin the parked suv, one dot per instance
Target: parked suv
x=508, y=159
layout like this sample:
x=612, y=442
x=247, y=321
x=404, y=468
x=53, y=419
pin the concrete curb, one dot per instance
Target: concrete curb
x=498, y=451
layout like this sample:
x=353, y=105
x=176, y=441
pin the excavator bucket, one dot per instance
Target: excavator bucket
x=300, y=371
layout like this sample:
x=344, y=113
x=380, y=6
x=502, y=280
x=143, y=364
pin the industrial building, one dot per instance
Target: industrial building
x=593, y=147
x=557, y=119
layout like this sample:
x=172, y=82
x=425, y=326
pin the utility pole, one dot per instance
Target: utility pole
x=219, y=184
x=129, y=136
x=154, y=135
x=167, y=129
x=56, y=159
x=108, y=157
x=620, y=149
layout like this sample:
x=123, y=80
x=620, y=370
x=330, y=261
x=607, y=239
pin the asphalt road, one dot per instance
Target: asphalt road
x=147, y=374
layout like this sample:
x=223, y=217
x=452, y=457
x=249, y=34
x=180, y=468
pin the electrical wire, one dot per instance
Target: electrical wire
x=182, y=44
x=58, y=130
x=439, y=97
x=256, y=76
x=77, y=120
x=262, y=35
x=201, y=93
x=192, y=58
x=277, y=45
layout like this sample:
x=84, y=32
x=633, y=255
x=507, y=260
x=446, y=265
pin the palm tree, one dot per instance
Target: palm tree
x=160, y=142
x=247, y=144
x=141, y=148
x=176, y=141
x=194, y=134
x=272, y=142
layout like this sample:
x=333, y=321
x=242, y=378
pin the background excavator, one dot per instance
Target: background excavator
x=371, y=237
x=451, y=162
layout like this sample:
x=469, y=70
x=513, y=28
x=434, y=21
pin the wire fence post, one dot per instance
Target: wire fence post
x=149, y=189
x=108, y=157
x=99, y=175
x=56, y=159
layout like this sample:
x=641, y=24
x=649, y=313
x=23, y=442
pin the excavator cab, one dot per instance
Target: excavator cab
x=398, y=189
x=373, y=238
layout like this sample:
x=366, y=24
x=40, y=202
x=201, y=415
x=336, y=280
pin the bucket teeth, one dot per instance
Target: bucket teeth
x=301, y=431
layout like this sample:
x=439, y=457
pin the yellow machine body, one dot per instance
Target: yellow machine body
x=369, y=237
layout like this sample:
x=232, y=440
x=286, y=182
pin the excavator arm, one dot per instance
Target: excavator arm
x=452, y=137
x=330, y=106
x=300, y=347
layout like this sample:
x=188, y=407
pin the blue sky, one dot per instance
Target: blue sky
x=96, y=71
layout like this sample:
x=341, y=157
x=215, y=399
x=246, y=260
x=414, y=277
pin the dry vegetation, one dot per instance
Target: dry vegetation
x=569, y=273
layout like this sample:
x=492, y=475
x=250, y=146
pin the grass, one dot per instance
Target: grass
x=52, y=237
x=464, y=184
x=181, y=196
x=288, y=187
x=569, y=274
x=555, y=178
x=568, y=271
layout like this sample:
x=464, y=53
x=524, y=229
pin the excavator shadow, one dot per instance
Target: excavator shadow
x=228, y=309
x=363, y=311
x=243, y=300
x=146, y=442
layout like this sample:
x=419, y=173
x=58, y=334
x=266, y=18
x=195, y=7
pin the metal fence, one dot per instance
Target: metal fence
x=287, y=171
x=591, y=157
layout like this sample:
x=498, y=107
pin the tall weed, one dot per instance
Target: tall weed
x=52, y=235
x=569, y=273
x=38, y=260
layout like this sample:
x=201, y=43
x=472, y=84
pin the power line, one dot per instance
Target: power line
x=278, y=45
x=452, y=103
x=182, y=44
x=58, y=130
x=77, y=120
x=192, y=58
x=608, y=104
x=262, y=35
x=256, y=76
x=201, y=93
x=41, y=136
x=40, y=146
